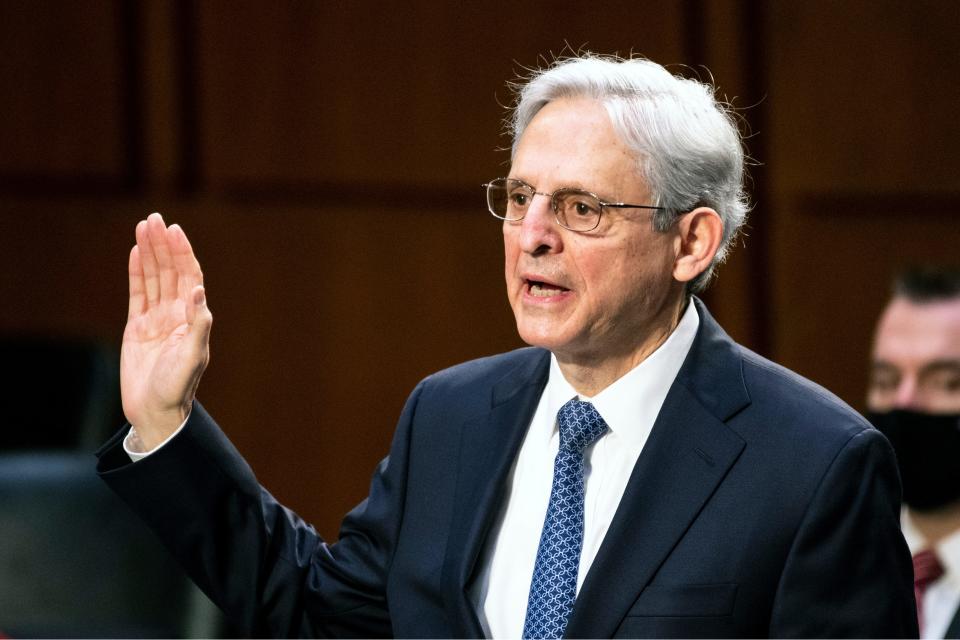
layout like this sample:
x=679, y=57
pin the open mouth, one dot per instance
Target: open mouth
x=540, y=289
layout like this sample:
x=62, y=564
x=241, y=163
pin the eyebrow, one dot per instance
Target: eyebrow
x=883, y=365
x=945, y=365
x=577, y=186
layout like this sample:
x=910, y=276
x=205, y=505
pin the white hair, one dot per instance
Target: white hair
x=687, y=145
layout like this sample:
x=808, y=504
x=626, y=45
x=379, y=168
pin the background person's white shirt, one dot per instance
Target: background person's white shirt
x=629, y=407
x=942, y=598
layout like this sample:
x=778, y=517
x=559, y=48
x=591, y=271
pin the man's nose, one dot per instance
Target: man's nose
x=539, y=230
x=907, y=394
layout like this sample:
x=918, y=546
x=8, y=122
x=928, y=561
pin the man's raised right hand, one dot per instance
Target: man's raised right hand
x=166, y=340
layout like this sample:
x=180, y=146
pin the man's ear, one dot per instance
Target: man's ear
x=700, y=233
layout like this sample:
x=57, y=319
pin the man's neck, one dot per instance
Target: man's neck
x=589, y=376
x=937, y=524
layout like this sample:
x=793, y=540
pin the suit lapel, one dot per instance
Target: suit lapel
x=686, y=457
x=488, y=447
x=689, y=452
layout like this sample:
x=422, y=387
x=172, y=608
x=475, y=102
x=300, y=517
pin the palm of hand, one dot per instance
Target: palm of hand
x=155, y=361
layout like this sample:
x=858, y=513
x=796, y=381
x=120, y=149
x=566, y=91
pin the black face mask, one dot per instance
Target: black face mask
x=928, y=454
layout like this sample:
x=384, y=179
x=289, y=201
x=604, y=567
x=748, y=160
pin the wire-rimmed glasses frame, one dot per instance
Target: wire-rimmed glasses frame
x=574, y=209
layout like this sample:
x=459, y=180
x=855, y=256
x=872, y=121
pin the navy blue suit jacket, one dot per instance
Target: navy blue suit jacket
x=761, y=505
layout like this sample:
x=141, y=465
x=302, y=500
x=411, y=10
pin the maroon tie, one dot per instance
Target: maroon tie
x=926, y=570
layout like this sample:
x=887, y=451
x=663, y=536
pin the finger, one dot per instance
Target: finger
x=138, y=297
x=157, y=231
x=148, y=262
x=188, y=268
x=138, y=292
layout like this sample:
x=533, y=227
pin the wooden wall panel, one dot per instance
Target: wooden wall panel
x=59, y=264
x=407, y=93
x=325, y=159
x=863, y=171
x=323, y=324
x=64, y=117
x=736, y=297
x=314, y=361
x=863, y=98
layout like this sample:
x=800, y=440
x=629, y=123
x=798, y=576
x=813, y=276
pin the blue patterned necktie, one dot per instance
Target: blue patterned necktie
x=554, y=585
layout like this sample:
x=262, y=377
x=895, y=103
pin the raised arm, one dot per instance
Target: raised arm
x=166, y=340
x=266, y=568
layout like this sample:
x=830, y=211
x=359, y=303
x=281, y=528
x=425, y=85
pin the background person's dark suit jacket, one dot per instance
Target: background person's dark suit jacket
x=953, y=631
x=760, y=506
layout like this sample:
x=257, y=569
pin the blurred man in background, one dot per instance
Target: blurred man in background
x=914, y=399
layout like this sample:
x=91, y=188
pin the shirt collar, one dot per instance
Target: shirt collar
x=636, y=397
x=948, y=549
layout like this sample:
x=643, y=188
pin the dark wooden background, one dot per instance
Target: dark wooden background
x=325, y=158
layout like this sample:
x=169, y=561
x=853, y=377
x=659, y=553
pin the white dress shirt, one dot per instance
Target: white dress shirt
x=629, y=407
x=942, y=598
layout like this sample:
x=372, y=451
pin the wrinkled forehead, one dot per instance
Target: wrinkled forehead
x=571, y=142
x=911, y=333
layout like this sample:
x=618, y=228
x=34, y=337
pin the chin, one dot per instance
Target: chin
x=538, y=336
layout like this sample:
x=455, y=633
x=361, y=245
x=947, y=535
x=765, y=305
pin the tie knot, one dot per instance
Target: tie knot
x=926, y=568
x=580, y=425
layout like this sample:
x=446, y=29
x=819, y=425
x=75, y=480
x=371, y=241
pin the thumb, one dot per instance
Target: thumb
x=199, y=318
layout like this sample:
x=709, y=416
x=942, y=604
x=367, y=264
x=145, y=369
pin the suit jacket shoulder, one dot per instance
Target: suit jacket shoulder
x=471, y=380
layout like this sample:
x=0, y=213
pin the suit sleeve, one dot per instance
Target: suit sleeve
x=269, y=571
x=849, y=572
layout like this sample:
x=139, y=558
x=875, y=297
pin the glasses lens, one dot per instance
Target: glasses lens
x=508, y=199
x=577, y=210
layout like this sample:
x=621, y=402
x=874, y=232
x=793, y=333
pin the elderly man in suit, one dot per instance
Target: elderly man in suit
x=633, y=473
x=914, y=399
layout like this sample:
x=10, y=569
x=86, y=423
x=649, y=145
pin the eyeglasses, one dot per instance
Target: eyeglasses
x=575, y=209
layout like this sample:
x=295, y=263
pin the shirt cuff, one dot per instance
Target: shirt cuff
x=134, y=446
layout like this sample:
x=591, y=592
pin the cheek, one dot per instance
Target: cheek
x=613, y=269
x=511, y=254
x=623, y=281
x=511, y=238
x=944, y=400
x=880, y=395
